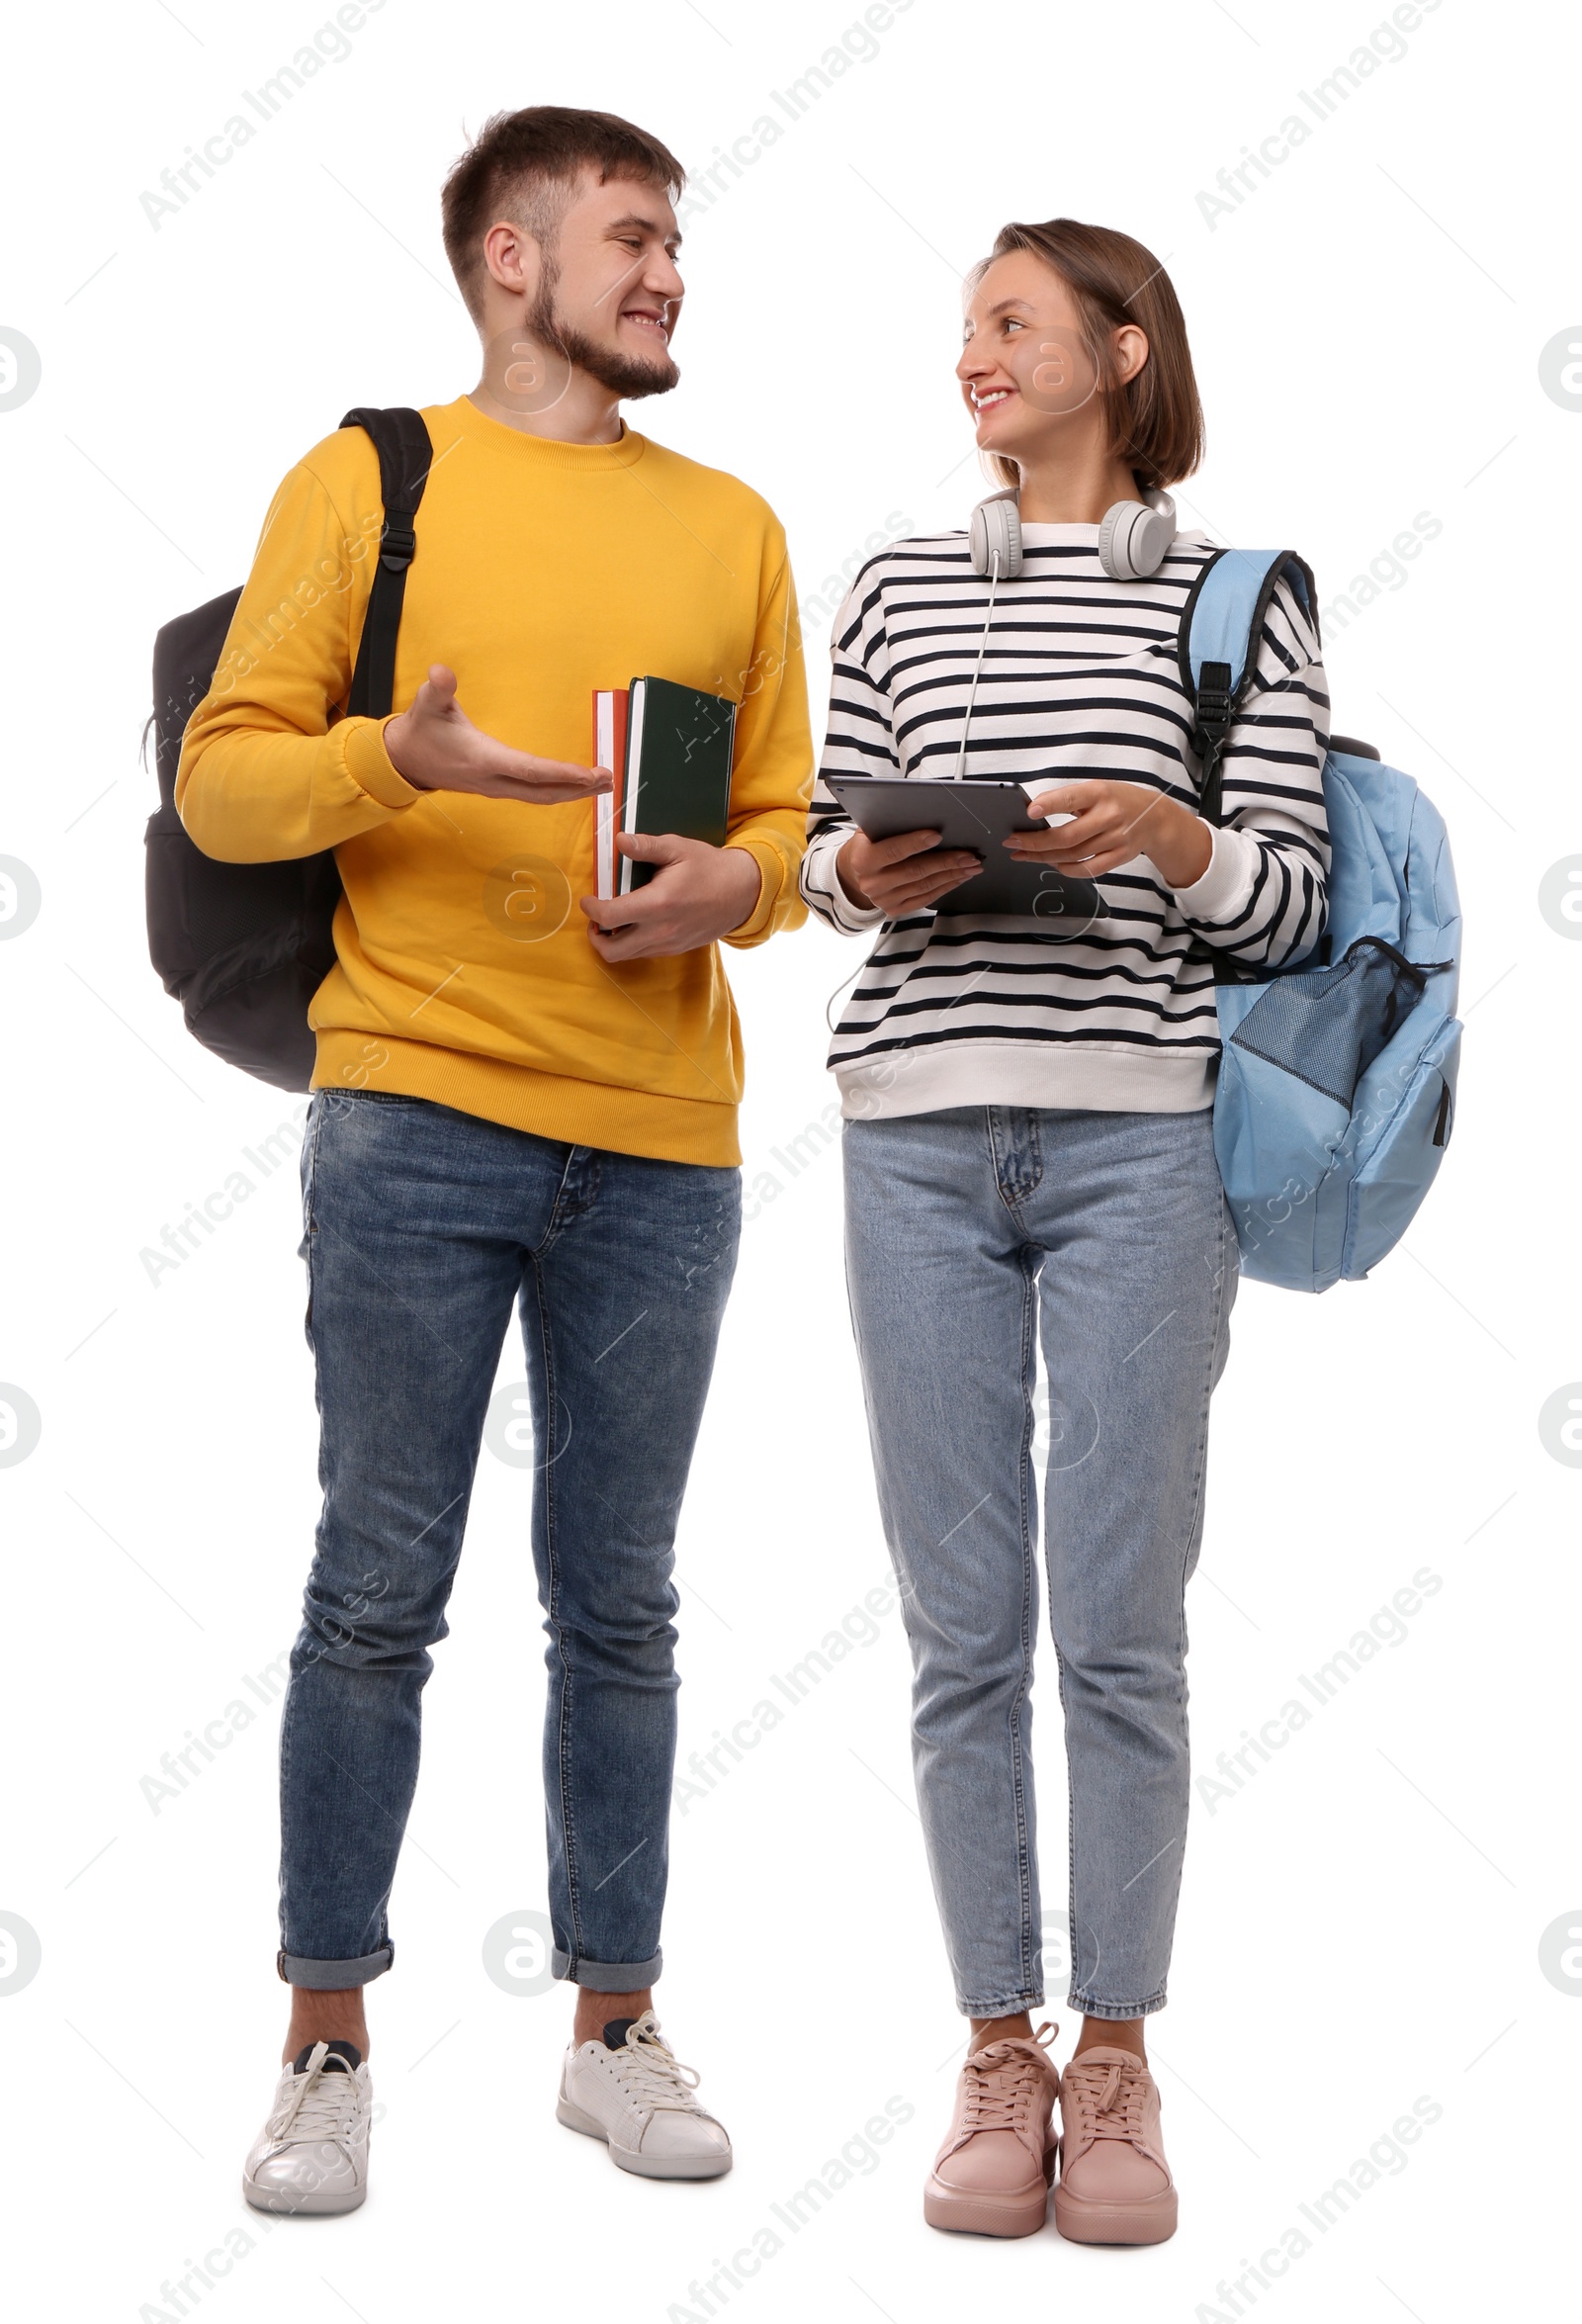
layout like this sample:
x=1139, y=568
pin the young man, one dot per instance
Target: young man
x=511, y=1103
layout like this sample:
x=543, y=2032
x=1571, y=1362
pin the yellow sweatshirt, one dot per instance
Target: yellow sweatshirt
x=464, y=971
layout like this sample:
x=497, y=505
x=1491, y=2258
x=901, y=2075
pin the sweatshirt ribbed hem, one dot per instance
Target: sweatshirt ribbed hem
x=549, y=1105
x=1082, y=1078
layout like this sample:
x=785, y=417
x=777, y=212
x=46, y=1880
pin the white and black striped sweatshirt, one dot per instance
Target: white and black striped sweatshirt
x=1081, y=678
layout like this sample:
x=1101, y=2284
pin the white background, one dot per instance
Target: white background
x=1360, y=1924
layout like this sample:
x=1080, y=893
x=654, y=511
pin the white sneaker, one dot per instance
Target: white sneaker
x=630, y=2091
x=311, y=2155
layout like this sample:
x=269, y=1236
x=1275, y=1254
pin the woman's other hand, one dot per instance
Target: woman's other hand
x=1111, y=823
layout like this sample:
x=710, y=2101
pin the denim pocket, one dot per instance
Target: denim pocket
x=309, y=1160
x=305, y=1249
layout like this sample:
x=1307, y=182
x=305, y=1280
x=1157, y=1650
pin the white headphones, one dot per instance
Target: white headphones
x=1133, y=542
x=1133, y=538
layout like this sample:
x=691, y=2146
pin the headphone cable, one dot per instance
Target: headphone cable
x=977, y=669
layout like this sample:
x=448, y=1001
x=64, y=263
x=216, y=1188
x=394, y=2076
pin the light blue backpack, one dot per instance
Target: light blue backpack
x=1337, y=1079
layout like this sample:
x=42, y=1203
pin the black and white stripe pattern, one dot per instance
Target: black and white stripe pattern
x=1079, y=678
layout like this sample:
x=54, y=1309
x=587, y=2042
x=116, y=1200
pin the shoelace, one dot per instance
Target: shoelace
x=651, y=2072
x=1000, y=2083
x=1110, y=2099
x=316, y=2105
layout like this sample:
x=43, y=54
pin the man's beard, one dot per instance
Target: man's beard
x=628, y=376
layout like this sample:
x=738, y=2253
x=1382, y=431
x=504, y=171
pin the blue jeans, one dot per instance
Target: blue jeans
x=1107, y=1234
x=423, y=1228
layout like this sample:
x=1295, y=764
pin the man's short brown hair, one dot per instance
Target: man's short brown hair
x=522, y=166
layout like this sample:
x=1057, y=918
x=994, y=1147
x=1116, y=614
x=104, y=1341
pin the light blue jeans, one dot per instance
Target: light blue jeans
x=1107, y=1234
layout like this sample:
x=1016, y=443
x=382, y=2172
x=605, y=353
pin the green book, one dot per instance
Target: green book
x=678, y=772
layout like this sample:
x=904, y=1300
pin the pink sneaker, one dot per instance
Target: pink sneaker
x=992, y=2175
x=1115, y=2182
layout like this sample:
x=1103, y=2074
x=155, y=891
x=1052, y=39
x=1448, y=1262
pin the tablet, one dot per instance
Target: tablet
x=977, y=814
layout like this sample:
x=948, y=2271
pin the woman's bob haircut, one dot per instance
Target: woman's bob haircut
x=1156, y=420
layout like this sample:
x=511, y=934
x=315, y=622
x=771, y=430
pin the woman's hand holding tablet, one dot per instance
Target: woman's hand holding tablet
x=904, y=874
x=960, y=857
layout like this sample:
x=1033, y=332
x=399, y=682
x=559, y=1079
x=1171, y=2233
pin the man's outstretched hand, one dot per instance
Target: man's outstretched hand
x=435, y=746
x=697, y=893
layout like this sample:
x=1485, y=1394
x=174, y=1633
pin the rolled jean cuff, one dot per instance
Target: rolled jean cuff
x=1012, y=2006
x=334, y=1976
x=607, y=1976
x=1092, y=2008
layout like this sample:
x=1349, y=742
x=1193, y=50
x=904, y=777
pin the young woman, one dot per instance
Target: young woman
x=1029, y=1150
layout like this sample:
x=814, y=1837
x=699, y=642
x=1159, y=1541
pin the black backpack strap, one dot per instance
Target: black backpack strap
x=405, y=456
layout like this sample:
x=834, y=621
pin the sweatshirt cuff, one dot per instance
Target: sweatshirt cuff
x=1227, y=883
x=821, y=885
x=368, y=763
x=771, y=878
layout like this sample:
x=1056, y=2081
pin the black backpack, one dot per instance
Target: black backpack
x=244, y=946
